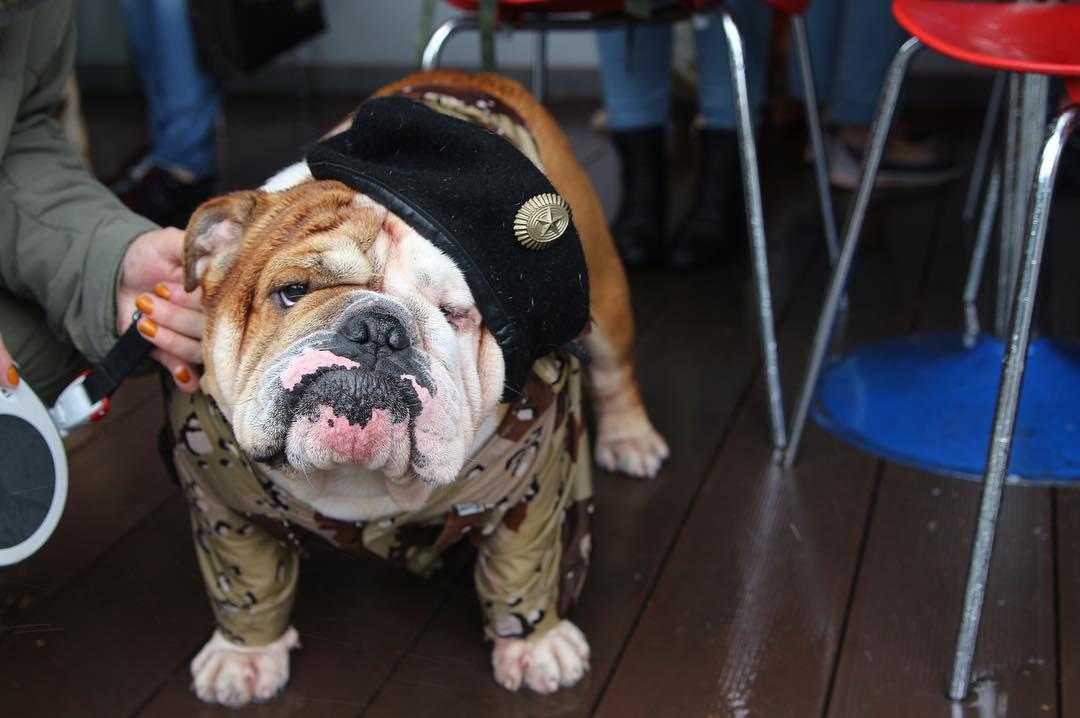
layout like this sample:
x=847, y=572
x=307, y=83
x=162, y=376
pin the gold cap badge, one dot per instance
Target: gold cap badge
x=541, y=220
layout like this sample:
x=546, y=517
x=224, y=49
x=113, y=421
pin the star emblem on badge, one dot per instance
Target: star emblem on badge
x=541, y=220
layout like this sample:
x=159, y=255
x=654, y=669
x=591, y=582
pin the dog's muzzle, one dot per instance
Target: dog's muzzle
x=356, y=387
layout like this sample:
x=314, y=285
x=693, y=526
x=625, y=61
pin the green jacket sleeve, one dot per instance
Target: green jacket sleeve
x=62, y=234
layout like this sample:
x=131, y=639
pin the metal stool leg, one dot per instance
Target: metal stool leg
x=1008, y=399
x=879, y=132
x=813, y=124
x=978, y=256
x=539, y=67
x=986, y=137
x=435, y=44
x=1009, y=231
x=756, y=227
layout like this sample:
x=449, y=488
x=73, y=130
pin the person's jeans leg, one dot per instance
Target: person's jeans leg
x=635, y=66
x=183, y=99
x=141, y=29
x=868, y=37
x=715, y=226
x=753, y=18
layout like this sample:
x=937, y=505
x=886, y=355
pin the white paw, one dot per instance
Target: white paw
x=629, y=443
x=558, y=658
x=236, y=675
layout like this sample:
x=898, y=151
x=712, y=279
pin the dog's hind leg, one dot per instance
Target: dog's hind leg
x=625, y=438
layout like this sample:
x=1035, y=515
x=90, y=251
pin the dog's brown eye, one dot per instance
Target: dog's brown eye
x=291, y=294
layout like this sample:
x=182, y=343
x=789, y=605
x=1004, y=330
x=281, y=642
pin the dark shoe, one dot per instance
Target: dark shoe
x=158, y=195
x=715, y=227
x=640, y=223
x=907, y=161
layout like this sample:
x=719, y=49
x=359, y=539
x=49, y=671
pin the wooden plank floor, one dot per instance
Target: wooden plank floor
x=723, y=588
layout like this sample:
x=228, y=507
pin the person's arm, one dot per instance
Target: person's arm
x=65, y=239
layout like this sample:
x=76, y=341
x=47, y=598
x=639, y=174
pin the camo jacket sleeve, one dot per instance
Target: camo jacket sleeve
x=250, y=572
x=532, y=567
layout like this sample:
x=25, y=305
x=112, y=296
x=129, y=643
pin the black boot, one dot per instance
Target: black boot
x=639, y=225
x=715, y=227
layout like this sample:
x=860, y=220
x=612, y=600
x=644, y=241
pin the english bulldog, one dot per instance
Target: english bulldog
x=398, y=331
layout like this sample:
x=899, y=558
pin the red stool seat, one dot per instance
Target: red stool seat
x=513, y=8
x=516, y=7
x=509, y=9
x=1042, y=38
x=790, y=7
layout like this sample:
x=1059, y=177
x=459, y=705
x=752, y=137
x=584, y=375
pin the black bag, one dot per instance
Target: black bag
x=240, y=36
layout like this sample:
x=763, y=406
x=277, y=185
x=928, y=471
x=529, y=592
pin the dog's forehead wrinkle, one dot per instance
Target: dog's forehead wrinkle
x=319, y=207
x=330, y=261
x=344, y=260
x=416, y=263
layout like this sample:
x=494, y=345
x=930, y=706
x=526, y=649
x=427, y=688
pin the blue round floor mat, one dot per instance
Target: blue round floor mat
x=929, y=401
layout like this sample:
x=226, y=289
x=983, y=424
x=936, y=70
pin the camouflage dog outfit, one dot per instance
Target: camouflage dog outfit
x=524, y=500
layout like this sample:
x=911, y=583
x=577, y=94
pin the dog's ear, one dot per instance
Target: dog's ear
x=213, y=235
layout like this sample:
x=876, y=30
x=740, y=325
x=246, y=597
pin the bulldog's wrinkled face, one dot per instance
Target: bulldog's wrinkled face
x=339, y=337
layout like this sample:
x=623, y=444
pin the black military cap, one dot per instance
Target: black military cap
x=482, y=202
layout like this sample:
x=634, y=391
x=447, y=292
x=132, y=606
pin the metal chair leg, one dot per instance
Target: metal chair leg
x=539, y=67
x=442, y=34
x=817, y=142
x=879, y=132
x=755, y=221
x=986, y=137
x=1008, y=399
x=978, y=256
x=1010, y=230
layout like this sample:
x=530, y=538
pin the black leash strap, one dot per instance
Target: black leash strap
x=106, y=376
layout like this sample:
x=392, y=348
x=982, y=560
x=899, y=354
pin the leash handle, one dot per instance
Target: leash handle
x=87, y=398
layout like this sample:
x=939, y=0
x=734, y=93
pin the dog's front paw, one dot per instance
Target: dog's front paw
x=558, y=658
x=627, y=442
x=235, y=675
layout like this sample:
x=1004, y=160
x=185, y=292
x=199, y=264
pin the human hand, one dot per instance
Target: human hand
x=151, y=279
x=9, y=375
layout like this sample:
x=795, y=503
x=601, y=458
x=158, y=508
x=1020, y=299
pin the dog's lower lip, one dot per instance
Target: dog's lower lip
x=275, y=459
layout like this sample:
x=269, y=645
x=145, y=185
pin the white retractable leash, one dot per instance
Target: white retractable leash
x=33, y=465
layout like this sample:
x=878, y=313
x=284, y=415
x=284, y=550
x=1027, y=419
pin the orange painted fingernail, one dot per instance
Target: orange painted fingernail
x=13, y=376
x=148, y=327
x=162, y=291
x=182, y=375
x=144, y=303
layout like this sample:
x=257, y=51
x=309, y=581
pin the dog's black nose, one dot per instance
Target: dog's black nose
x=382, y=330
